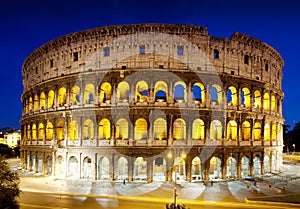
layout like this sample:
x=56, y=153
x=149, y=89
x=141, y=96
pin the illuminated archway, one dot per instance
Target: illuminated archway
x=122, y=169
x=196, y=169
x=215, y=130
x=179, y=164
x=75, y=95
x=180, y=91
x=49, y=131
x=28, y=132
x=245, y=166
x=87, y=168
x=246, y=99
x=42, y=101
x=60, y=130
x=73, y=170
x=30, y=104
x=89, y=93
x=266, y=101
x=51, y=99
x=88, y=129
x=123, y=92
x=257, y=131
x=105, y=93
x=160, y=91
x=231, y=133
x=256, y=165
x=274, y=132
x=273, y=103
x=160, y=129
x=140, y=129
x=36, y=103
x=73, y=130
x=104, y=129
x=41, y=132
x=231, y=167
x=232, y=96
x=215, y=170
x=34, y=135
x=179, y=129
x=59, y=166
x=267, y=132
x=122, y=129
x=140, y=169
x=246, y=131
x=215, y=94
x=159, y=169
x=103, y=169
x=267, y=164
x=257, y=99
x=198, y=130
x=199, y=93
x=62, y=95
x=141, y=92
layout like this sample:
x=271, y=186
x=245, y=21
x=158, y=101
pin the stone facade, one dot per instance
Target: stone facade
x=136, y=101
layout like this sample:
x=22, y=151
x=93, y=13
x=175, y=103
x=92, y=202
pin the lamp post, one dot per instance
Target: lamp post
x=294, y=148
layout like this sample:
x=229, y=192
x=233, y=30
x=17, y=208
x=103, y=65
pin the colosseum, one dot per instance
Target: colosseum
x=148, y=102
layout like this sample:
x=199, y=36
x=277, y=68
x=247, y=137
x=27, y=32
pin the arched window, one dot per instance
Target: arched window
x=105, y=93
x=89, y=93
x=257, y=99
x=104, y=129
x=36, y=103
x=231, y=133
x=198, y=131
x=246, y=101
x=215, y=130
x=179, y=129
x=60, y=130
x=41, y=132
x=50, y=99
x=257, y=131
x=62, y=95
x=141, y=92
x=34, y=135
x=274, y=131
x=160, y=129
x=123, y=92
x=140, y=129
x=231, y=96
x=215, y=94
x=88, y=129
x=180, y=92
x=246, y=130
x=43, y=101
x=75, y=95
x=49, y=131
x=215, y=170
x=73, y=130
x=30, y=104
x=267, y=132
x=28, y=132
x=199, y=93
x=273, y=103
x=266, y=101
x=122, y=129
x=160, y=91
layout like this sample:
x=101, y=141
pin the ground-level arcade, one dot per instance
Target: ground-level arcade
x=137, y=164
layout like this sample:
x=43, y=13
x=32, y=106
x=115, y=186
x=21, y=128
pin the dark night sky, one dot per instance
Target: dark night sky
x=25, y=25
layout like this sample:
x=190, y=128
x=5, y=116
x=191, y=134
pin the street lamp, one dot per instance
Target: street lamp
x=294, y=148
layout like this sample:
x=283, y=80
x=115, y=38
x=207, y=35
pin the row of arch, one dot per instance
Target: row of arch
x=142, y=92
x=158, y=168
x=158, y=129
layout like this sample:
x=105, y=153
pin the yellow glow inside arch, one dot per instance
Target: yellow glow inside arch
x=104, y=129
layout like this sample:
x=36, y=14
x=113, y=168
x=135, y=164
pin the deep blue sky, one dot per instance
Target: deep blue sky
x=25, y=25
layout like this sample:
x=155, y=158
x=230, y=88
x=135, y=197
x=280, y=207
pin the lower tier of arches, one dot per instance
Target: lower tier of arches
x=148, y=165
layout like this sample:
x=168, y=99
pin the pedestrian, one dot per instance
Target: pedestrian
x=124, y=182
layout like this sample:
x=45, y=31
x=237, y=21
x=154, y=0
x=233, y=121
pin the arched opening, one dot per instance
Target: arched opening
x=104, y=129
x=73, y=130
x=28, y=132
x=34, y=135
x=267, y=132
x=140, y=129
x=159, y=169
x=179, y=129
x=180, y=92
x=43, y=101
x=140, y=169
x=196, y=171
x=231, y=168
x=141, y=94
x=267, y=164
x=123, y=92
x=232, y=96
x=231, y=133
x=30, y=104
x=198, y=93
x=103, y=169
x=60, y=130
x=89, y=93
x=87, y=168
x=88, y=129
x=59, y=166
x=246, y=101
x=274, y=132
x=257, y=131
x=75, y=95
x=215, y=130
x=105, y=93
x=245, y=166
x=266, y=101
x=256, y=164
x=160, y=91
x=40, y=164
x=41, y=132
x=122, y=169
x=246, y=130
x=50, y=99
x=215, y=94
x=273, y=103
x=257, y=99
x=179, y=165
x=49, y=131
x=160, y=129
x=48, y=165
x=273, y=168
x=62, y=95
x=35, y=103
x=215, y=171
x=198, y=130
x=73, y=171
x=122, y=129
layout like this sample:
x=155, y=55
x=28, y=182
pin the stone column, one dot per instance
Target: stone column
x=130, y=169
x=149, y=170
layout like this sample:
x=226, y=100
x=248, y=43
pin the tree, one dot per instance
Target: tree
x=9, y=187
